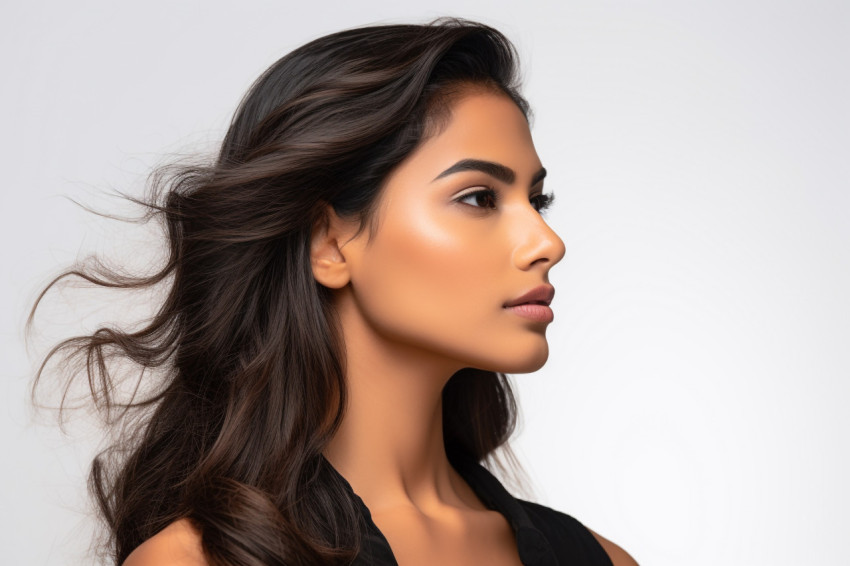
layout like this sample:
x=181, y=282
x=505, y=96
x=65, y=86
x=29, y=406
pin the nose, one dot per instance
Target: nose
x=536, y=243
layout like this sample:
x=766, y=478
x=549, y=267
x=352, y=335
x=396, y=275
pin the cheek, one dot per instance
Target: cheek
x=431, y=277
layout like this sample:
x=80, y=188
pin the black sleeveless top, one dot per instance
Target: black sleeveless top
x=545, y=537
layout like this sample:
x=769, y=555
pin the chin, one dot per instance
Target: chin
x=525, y=367
x=522, y=362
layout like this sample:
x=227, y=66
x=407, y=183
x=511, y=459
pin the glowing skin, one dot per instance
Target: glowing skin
x=438, y=272
x=424, y=299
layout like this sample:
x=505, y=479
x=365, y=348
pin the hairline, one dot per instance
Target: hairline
x=439, y=110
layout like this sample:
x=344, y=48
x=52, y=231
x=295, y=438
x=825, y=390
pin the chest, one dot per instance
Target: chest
x=465, y=539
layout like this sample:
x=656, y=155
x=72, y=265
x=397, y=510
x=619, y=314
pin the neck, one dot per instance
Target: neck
x=389, y=446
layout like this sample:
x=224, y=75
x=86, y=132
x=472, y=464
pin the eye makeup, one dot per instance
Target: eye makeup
x=543, y=200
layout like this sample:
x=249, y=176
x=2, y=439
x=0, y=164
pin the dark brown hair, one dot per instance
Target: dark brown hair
x=246, y=340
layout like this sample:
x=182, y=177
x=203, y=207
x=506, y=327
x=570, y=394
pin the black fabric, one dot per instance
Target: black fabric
x=545, y=537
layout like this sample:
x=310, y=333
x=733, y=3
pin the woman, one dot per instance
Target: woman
x=346, y=285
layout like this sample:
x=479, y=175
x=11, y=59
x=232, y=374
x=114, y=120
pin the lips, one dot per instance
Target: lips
x=541, y=295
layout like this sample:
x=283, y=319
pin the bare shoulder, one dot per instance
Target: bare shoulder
x=617, y=555
x=178, y=544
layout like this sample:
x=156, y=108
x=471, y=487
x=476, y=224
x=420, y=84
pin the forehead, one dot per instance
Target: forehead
x=480, y=125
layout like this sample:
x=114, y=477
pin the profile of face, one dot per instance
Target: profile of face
x=454, y=245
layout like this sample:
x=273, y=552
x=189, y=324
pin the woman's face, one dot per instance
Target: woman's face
x=446, y=258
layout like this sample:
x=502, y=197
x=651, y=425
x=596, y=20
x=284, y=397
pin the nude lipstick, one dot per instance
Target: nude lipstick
x=534, y=304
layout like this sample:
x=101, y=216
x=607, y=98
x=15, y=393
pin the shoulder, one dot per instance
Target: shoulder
x=178, y=544
x=568, y=535
x=619, y=557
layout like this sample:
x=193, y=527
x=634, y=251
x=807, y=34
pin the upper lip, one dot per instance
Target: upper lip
x=541, y=295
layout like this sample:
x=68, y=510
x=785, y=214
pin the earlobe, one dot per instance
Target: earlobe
x=326, y=258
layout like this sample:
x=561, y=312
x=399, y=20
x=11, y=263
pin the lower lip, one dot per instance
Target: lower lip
x=540, y=313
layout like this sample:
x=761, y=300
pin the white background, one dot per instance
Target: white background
x=694, y=406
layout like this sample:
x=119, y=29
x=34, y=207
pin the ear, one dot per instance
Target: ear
x=327, y=260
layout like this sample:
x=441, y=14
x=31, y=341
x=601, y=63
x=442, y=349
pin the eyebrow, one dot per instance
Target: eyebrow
x=496, y=170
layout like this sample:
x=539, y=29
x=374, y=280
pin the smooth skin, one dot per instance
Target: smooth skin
x=421, y=300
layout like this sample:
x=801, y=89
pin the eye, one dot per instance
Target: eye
x=487, y=195
x=490, y=197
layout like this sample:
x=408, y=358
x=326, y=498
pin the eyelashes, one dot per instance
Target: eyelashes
x=545, y=201
x=542, y=201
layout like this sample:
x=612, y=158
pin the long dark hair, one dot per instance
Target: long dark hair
x=246, y=341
